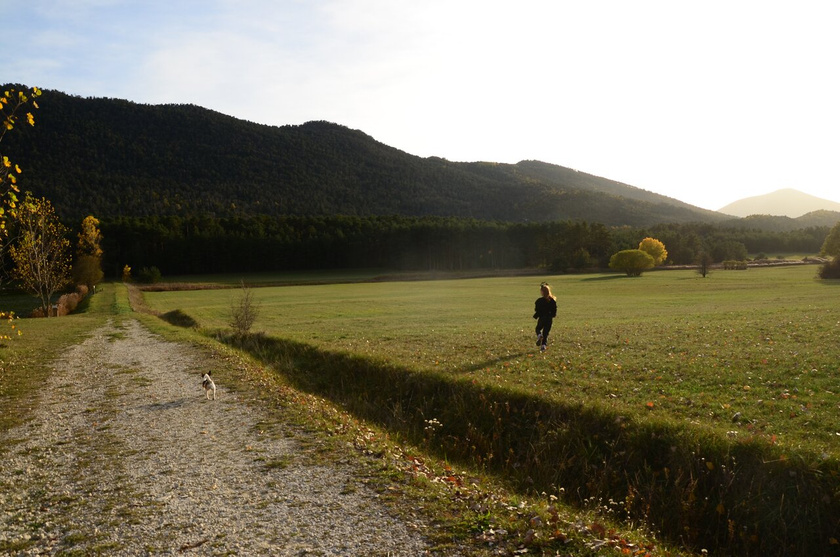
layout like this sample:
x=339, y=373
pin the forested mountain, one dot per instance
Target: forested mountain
x=189, y=190
x=114, y=158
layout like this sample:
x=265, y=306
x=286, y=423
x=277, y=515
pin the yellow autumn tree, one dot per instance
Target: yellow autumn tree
x=87, y=268
x=41, y=252
x=655, y=249
x=13, y=105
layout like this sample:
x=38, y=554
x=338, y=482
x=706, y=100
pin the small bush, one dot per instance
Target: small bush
x=831, y=270
x=735, y=265
x=631, y=261
x=149, y=275
x=67, y=303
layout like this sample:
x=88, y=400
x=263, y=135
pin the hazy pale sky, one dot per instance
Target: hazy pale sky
x=707, y=101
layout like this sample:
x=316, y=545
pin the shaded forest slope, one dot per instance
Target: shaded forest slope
x=111, y=158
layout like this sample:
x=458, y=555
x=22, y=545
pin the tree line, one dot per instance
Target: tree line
x=205, y=244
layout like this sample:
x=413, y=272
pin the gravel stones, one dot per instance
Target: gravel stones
x=125, y=456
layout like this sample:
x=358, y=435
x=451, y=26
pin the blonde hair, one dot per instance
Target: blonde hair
x=546, y=291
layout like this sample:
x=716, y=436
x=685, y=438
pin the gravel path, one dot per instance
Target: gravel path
x=124, y=456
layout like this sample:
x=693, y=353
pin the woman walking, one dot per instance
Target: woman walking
x=545, y=310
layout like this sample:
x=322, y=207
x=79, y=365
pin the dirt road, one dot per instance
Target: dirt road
x=125, y=456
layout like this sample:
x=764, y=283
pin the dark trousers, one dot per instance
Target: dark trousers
x=544, y=327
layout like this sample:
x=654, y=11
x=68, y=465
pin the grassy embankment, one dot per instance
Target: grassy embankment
x=706, y=407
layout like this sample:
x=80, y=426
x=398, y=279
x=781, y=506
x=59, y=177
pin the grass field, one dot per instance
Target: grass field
x=708, y=406
x=760, y=343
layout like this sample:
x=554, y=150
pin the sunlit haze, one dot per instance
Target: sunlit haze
x=707, y=102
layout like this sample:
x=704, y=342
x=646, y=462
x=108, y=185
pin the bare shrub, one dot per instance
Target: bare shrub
x=704, y=263
x=149, y=275
x=68, y=303
x=243, y=311
x=65, y=305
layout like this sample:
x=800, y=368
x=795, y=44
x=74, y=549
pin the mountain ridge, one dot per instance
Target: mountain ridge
x=112, y=157
x=115, y=158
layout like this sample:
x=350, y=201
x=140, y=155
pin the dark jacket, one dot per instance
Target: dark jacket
x=545, y=308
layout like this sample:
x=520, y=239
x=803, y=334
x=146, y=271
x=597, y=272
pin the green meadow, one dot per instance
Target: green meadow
x=709, y=407
x=748, y=353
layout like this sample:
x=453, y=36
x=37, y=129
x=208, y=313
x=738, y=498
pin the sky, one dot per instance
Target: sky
x=704, y=101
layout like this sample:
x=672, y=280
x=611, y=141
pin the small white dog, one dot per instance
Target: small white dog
x=208, y=385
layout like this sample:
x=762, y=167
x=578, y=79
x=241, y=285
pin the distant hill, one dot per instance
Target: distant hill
x=111, y=157
x=785, y=202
